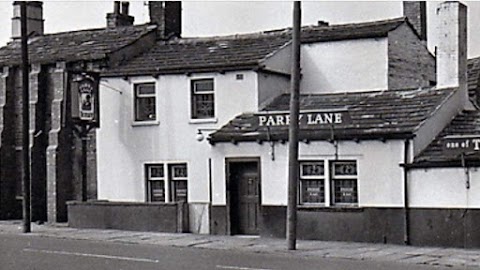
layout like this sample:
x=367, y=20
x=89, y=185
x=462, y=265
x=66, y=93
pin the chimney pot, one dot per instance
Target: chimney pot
x=116, y=18
x=167, y=15
x=125, y=6
x=323, y=23
x=116, y=7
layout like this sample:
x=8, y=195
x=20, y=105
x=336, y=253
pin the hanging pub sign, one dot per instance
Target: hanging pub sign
x=459, y=144
x=305, y=119
x=84, y=94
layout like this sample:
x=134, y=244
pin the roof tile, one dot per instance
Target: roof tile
x=74, y=46
x=239, y=51
x=376, y=114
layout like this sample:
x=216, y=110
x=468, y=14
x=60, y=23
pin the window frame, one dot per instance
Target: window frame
x=334, y=178
x=168, y=179
x=149, y=179
x=194, y=115
x=329, y=177
x=303, y=178
x=173, y=179
x=136, y=97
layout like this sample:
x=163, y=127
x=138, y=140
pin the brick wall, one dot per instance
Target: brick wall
x=410, y=64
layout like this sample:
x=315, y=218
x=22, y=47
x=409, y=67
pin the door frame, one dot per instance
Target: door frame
x=228, y=185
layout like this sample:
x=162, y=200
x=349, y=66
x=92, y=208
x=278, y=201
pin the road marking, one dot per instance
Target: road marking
x=239, y=268
x=91, y=255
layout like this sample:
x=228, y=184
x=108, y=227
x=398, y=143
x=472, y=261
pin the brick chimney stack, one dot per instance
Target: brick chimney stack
x=34, y=19
x=167, y=15
x=117, y=18
x=416, y=13
x=451, y=47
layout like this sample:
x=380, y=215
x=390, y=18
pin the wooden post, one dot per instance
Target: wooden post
x=293, y=131
x=26, y=120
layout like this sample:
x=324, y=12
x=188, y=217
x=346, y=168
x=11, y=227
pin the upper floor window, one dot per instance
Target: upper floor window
x=145, y=100
x=203, y=99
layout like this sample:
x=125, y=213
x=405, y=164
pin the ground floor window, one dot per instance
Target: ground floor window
x=312, y=182
x=166, y=182
x=344, y=182
x=178, y=182
x=155, y=183
x=342, y=187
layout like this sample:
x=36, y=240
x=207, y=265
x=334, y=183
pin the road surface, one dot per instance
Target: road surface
x=22, y=252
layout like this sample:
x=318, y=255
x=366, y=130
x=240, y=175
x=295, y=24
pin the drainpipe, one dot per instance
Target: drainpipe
x=406, y=213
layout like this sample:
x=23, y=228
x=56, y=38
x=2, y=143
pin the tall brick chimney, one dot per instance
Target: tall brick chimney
x=117, y=18
x=416, y=13
x=451, y=47
x=167, y=15
x=34, y=18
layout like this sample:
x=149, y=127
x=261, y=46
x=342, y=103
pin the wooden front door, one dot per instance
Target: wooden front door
x=245, y=199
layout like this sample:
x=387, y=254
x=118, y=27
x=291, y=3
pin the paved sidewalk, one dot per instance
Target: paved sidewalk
x=449, y=257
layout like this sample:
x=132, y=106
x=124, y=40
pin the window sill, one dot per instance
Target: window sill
x=145, y=123
x=322, y=208
x=203, y=121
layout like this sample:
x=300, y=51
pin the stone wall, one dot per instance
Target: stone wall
x=410, y=64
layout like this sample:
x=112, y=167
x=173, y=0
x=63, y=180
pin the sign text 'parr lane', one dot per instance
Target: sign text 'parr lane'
x=304, y=119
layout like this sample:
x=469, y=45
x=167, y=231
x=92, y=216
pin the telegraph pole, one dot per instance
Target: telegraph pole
x=26, y=120
x=293, y=170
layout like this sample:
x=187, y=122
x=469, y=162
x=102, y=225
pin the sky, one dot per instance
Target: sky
x=207, y=18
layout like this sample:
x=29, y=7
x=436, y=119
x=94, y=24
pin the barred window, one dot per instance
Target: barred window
x=203, y=99
x=145, y=100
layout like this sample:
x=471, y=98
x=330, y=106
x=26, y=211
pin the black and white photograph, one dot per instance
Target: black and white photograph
x=241, y=135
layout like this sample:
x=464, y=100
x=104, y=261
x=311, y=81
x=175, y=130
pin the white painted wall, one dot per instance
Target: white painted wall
x=352, y=65
x=123, y=147
x=444, y=188
x=380, y=178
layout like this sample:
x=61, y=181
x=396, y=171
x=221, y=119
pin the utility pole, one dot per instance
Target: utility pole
x=26, y=120
x=293, y=170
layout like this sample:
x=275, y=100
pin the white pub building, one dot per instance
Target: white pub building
x=193, y=134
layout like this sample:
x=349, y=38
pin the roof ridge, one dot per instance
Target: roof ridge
x=287, y=30
x=145, y=25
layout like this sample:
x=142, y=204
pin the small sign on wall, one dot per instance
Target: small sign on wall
x=459, y=144
x=84, y=98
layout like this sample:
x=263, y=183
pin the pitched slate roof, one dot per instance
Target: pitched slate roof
x=466, y=123
x=374, y=115
x=73, y=46
x=473, y=75
x=244, y=51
